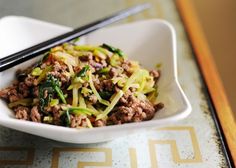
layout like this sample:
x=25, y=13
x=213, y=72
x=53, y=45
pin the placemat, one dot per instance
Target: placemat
x=193, y=142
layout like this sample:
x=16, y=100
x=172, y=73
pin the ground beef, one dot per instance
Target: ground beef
x=45, y=64
x=14, y=96
x=56, y=114
x=93, y=99
x=4, y=93
x=61, y=76
x=103, y=85
x=77, y=69
x=30, y=81
x=86, y=57
x=97, y=84
x=78, y=121
x=99, y=123
x=158, y=106
x=22, y=112
x=126, y=65
x=107, y=85
x=131, y=109
x=104, y=63
x=113, y=72
x=117, y=89
x=155, y=74
x=11, y=94
x=97, y=66
x=125, y=98
x=60, y=71
x=24, y=89
x=35, y=115
x=36, y=91
x=85, y=84
x=59, y=67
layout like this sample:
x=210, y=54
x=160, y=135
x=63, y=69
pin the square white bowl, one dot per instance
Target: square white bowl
x=149, y=42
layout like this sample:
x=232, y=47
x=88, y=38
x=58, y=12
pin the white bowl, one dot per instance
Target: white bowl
x=149, y=42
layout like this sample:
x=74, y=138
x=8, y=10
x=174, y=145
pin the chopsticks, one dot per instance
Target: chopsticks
x=36, y=50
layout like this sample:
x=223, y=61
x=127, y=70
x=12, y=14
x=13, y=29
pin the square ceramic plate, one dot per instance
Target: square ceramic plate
x=149, y=42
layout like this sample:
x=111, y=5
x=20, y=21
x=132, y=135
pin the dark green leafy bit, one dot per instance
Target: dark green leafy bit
x=65, y=118
x=83, y=71
x=105, y=95
x=113, y=49
x=44, y=101
x=45, y=56
x=75, y=40
x=51, y=86
x=21, y=76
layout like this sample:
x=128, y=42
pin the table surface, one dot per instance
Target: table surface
x=194, y=142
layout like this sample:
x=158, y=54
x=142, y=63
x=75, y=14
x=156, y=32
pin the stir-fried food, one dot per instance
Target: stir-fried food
x=84, y=86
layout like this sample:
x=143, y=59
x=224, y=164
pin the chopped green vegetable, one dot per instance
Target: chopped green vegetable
x=75, y=96
x=99, y=54
x=132, y=78
x=23, y=102
x=36, y=71
x=48, y=119
x=42, y=76
x=111, y=106
x=45, y=57
x=78, y=85
x=82, y=102
x=104, y=51
x=115, y=60
x=54, y=102
x=65, y=118
x=152, y=96
x=68, y=118
x=85, y=91
x=60, y=93
x=140, y=96
x=113, y=49
x=51, y=86
x=96, y=112
x=81, y=110
x=105, y=102
x=65, y=58
x=84, y=48
x=83, y=71
x=71, y=70
x=146, y=91
x=80, y=53
x=76, y=40
x=104, y=70
x=77, y=81
x=89, y=123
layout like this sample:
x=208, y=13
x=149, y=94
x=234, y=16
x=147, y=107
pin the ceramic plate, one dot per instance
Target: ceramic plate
x=150, y=42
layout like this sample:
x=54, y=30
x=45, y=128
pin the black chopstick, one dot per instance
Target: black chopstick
x=34, y=51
